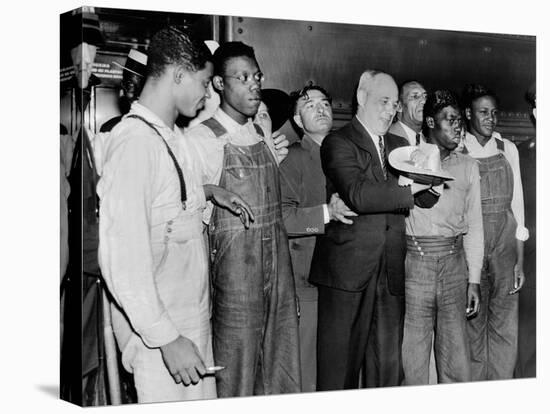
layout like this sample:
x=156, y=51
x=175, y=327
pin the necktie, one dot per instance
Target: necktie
x=383, y=156
x=417, y=139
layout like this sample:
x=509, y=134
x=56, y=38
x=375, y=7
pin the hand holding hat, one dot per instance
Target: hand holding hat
x=421, y=164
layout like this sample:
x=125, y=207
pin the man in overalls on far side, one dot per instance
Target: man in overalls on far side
x=254, y=321
x=493, y=333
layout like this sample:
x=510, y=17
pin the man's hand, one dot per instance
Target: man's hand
x=230, y=201
x=519, y=278
x=338, y=210
x=183, y=360
x=474, y=300
x=281, y=145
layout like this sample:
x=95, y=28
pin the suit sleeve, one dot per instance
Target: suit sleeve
x=299, y=220
x=359, y=190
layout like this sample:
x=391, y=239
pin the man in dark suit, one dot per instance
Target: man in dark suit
x=412, y=97
x=306, y=212
x=359, y=269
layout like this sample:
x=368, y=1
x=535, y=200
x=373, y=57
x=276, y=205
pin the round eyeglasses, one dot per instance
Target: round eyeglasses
x=246, y=78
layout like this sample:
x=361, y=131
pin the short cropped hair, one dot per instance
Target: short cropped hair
x=475, y=91
x=303, y=93
x=174, y=45
x=230, y=50
x=438, y=100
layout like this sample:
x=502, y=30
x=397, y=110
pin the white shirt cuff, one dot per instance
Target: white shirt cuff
x=326, y=215
x=161, y=333
x=522, y=233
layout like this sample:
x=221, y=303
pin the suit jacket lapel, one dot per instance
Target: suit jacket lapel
x=363, y=140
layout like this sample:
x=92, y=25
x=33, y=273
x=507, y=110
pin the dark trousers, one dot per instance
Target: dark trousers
x=347, y=323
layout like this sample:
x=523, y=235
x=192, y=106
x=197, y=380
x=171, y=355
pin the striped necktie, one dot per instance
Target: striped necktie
x=383, y=156
x=417, y=139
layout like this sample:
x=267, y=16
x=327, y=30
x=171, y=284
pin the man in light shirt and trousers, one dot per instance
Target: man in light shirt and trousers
x=152, y=250
x=444, y=257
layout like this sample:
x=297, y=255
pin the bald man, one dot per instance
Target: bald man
x=359, y=269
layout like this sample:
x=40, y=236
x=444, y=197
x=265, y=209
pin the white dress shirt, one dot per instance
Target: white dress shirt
x=411, y=134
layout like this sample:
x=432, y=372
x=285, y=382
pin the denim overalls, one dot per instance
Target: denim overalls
x=254, y=321
x=493, y=332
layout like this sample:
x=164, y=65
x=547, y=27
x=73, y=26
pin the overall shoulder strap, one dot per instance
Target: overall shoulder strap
x=215, y=126
x=183, y=191
x=500, y=144
x=259, y=130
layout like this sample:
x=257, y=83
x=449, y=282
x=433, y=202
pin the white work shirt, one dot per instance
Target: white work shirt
x=476, y=150
x=139, y=191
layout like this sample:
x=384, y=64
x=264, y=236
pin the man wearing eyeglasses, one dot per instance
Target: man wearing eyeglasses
x=359, y=268
x=444, y=258
x=254, y=320
x=412, y=97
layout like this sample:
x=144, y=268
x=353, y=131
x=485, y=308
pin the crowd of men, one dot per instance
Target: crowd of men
x=239, y=265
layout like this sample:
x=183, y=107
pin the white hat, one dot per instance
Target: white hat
x=421, y=163
x=136, y=62
x=212, y=45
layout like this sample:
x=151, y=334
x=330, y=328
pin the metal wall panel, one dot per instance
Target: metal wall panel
x=292, y=53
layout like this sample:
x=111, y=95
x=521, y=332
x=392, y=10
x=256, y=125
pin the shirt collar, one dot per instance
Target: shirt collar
x=373, y=136
x=230, y=124
x=150, y=116
x=411, y=133
x=309, y=144
x=471, y=142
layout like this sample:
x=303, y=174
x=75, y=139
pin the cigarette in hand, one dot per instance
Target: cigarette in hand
x=215, y=368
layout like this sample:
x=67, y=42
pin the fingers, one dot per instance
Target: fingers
x=349, y=213
x=247, y=210
x=473, y=305
x=278, y=140
x=470, y=311
x=177, y=378
x=345, y=220
x=282, y=152
x=199, y=364
x=519, y=279
x=476, y=304
x=184, y=377
x=193, y=376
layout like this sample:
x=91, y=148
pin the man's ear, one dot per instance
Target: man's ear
x=179, y=73
x=361, y=97
x=399, y=107
x=298, y=119
x=217, y=82
x=430, y=122
x=468, y=113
